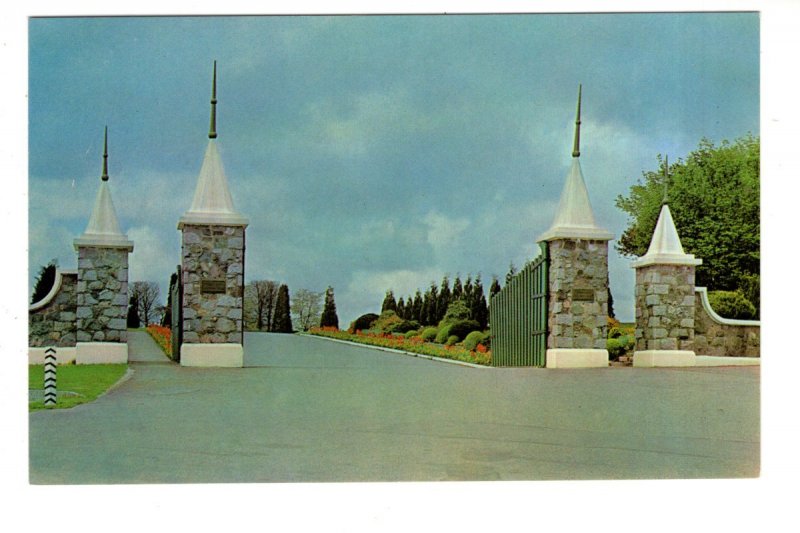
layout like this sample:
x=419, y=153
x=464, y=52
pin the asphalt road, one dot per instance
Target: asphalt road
x=306, y=409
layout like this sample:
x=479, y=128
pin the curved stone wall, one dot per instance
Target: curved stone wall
x=714, y=335
x=52, y=320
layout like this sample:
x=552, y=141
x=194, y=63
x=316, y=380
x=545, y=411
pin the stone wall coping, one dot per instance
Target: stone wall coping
x=666, y=259
x=97, y=240
x=213, y=219
x=703, y=292
x=53, y=291
x=576, y=233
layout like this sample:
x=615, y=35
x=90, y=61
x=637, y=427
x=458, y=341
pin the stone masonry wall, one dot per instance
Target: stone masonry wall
x=714, y=338
x=102, y=294
x=664, y=297
x=54, y=324
x=212, y=253
x=578, y=318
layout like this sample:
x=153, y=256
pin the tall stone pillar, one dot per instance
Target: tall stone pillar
x=212, y=266
x=665, y=300
x=102, y=287
x=578, y=275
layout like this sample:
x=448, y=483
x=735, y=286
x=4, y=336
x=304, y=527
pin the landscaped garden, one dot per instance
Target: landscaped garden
x=76, y=384
x=163, y=337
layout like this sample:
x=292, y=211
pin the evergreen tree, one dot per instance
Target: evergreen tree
x=133, y=313
x=495, y=287
x=329, y=318
x=401, y=308
x=416, y=308
x=44, y=281
x=468, y=290
x=610, y=304
x=282, y=322
x=458, y=289
x=480, y=313
x=389, y=303
x=443, y=300
x=512, y=270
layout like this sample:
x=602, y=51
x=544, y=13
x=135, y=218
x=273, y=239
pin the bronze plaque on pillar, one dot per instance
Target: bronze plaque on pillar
x=212, y=286
x=582, y=295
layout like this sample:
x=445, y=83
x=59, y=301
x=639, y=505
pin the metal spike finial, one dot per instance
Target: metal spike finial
x=666, y=178
x=212, y=132
x=104, y=177
x=576, y=147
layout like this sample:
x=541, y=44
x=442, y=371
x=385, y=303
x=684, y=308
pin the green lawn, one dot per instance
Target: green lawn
x=87, y=381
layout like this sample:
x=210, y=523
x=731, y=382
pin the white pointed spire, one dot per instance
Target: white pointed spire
x=212, y=202
x=103, y=229
x=665, y=246
x=574, y=216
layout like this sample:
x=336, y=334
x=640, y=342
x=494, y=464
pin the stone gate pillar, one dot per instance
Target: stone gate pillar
x=102, y=287
x=578, y=275
x=212, y=266
x=665, y=300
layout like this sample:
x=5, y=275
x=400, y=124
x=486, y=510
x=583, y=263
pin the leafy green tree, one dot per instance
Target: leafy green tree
x=282, y=323
x=44, y=281
x=714, y=198
x=329, y=318
x=306, y=306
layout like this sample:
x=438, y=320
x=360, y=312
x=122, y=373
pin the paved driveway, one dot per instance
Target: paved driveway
x=307, y=409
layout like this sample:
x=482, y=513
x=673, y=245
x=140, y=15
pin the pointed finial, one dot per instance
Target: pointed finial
x=576, y=147
x=104, y=177
x=666, y=178
x=212, y=132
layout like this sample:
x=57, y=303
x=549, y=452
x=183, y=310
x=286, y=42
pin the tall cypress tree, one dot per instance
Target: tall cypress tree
x=494, y=288
x=480, y=312
x=416, y=308
x=329, y=318
x=389, y=303
x=401, y=308
x=458, y=289
x=282, y=322
x=443, y=300
x=133, y=313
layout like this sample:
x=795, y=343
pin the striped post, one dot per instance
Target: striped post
x=50, y=377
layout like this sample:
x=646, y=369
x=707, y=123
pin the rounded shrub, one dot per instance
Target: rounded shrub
x=404, y=327
x=475, y=338
x=460, y=328
x=730, y=304
x=429, y=334
x=451, y=340
x=363, y=322
x=615, y=348
x=410, y=334
x=614, y=332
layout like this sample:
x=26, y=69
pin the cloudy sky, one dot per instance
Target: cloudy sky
x=372, y=152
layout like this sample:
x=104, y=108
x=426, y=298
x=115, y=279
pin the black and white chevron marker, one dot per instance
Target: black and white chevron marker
x=50, y=376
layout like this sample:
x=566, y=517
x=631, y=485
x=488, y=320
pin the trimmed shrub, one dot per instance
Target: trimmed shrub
x=429, y=334
x=461, y=329
x=387, y=322
x=615, y=348
x=456, y=311
x=406, y=326
x=730, y=304
x=475, y=338
x=363, y=322
x=410, y=334
x=614, y=333
x=451, y=340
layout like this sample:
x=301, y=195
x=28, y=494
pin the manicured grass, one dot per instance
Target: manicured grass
x=88, y=381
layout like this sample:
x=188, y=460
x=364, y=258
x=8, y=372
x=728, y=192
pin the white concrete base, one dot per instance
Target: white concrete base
x=101, y=353
x=65, y=355
x=212, y=355
x=576, y=358
x=711, y=360
x=653, y=358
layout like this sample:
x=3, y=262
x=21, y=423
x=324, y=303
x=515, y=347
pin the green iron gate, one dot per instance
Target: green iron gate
x=518, y=317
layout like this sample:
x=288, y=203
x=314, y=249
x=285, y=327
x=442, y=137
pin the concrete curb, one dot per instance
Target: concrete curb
x=393, y=350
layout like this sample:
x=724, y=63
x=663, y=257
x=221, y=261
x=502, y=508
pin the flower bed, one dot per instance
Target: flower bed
x=162, y=336
x=480, y=356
